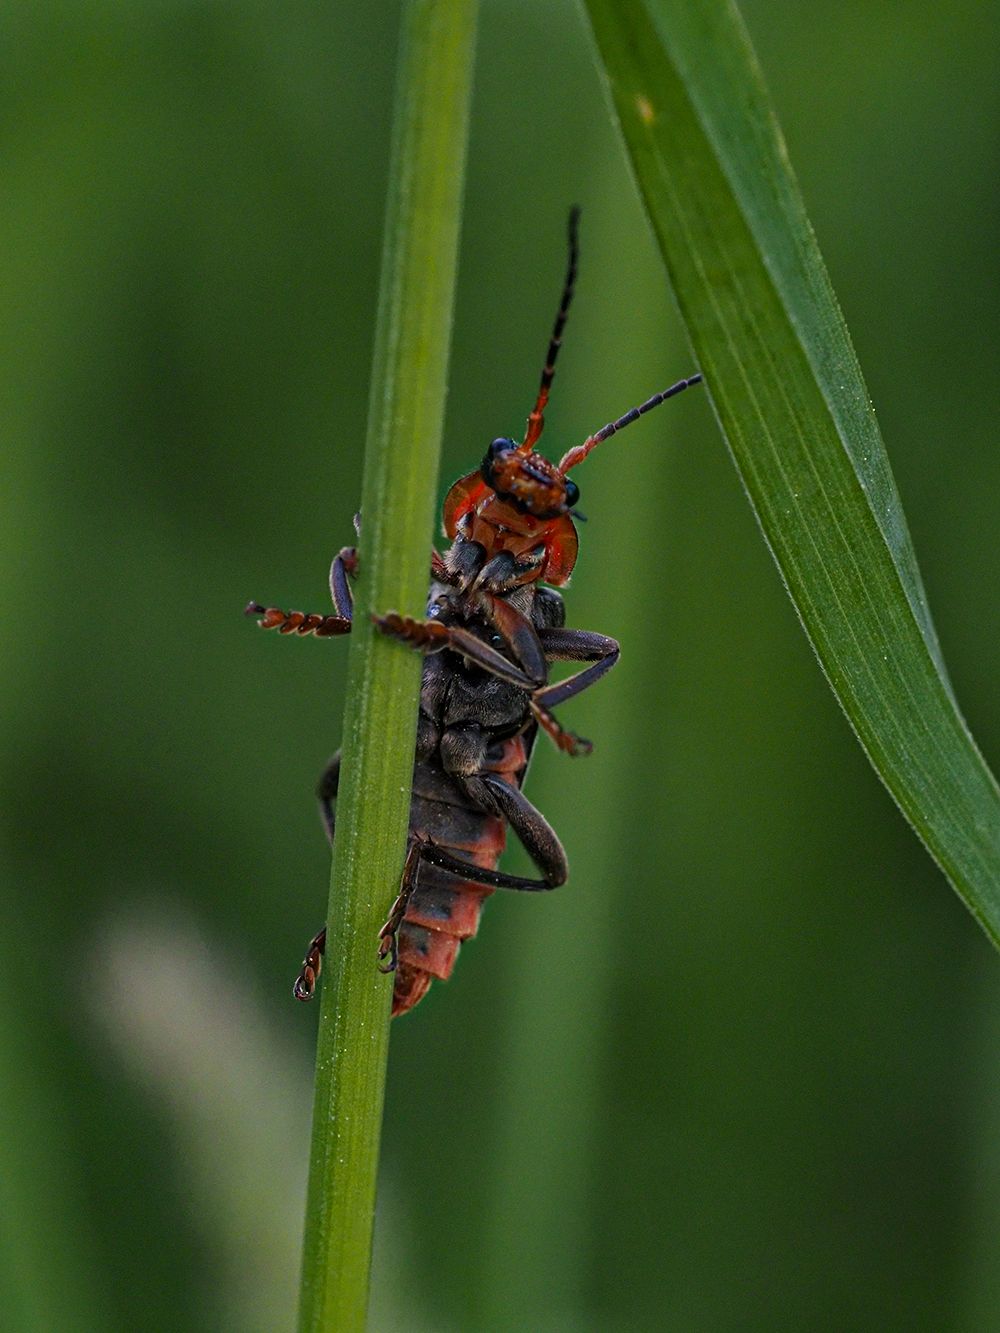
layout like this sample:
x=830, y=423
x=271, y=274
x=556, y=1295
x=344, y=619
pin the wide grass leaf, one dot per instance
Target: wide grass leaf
x=784, y=381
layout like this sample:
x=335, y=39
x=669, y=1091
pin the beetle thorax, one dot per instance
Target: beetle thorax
x=498, y=526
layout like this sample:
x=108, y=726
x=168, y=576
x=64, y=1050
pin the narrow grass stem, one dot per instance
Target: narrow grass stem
x=398, y=496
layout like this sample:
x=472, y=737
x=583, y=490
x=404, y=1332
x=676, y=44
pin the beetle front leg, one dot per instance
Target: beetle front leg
x=298, y=622
x=345, y=566
x=430, y=636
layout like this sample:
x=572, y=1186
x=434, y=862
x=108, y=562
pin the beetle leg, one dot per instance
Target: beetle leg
x=576, y=645
x=520, y=635
x=528, y=646
x=430, y=636
x=489, y=793
x=516, y=630
x=533, y=648
x=504, y=571
x=536, y=834
x=312, y=965
x=344, y=567
x=496, y=879
x=387, y=942
x=567, y=741
x=571, y=645
x=442, y=572
x=326, y=793
x=298, y=622
x=538, y=837
x=530, y=826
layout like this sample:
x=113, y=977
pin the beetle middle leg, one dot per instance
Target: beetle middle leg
x=531, y=646
x=571, y=645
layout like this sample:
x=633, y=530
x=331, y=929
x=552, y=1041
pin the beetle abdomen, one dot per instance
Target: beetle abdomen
x=444, y=910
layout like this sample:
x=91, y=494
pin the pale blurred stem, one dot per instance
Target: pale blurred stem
x=398, y=498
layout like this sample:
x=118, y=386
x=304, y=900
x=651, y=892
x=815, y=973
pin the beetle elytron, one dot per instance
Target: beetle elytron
x=492, y=629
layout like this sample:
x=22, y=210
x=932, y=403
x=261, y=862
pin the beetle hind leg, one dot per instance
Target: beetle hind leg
x=312, y=965
x=326, y=794
x=388, y=936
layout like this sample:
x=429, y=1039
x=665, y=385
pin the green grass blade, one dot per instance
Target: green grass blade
x=399, y=491
x=784, y=381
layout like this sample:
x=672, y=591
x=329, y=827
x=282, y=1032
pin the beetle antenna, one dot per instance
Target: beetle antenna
x=580, y=451
x=536, y=418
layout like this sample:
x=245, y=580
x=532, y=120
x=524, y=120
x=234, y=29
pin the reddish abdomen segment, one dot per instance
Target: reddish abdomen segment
x=444, y=910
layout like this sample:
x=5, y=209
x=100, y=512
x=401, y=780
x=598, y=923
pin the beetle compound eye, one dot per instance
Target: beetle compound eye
x=494, y=454
x=572, y=494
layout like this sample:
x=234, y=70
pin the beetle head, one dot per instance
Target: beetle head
x=516, y=501
x=527, y=481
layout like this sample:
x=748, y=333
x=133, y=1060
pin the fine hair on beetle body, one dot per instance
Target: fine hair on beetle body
x=495, y=624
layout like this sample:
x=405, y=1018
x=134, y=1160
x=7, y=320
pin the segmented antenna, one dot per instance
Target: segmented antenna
x=580, y=451
x=536, y=418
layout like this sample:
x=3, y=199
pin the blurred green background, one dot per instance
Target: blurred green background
x=742, y=1072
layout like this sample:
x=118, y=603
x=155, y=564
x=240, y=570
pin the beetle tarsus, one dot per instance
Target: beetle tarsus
x=298, y=622
x=305, y=983
x=387, y=948
x=567, y=741
x=426, y=635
